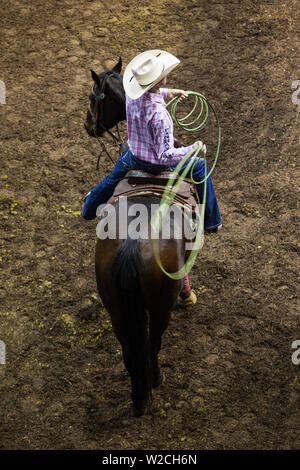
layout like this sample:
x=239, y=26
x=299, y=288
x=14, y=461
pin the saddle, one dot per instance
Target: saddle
x=140, y=182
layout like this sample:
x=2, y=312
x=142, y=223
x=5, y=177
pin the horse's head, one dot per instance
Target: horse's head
x=107, y=104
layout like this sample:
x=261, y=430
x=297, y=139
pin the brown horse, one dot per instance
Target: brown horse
x=139, y=297
x=137, y=294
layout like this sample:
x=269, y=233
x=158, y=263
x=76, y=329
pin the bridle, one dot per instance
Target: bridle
x=99, y=97
x=98, y=122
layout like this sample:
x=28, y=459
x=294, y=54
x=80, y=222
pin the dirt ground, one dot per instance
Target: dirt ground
x=230, y=380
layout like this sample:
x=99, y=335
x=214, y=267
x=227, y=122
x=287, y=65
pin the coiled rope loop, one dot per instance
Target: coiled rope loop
x=194, y=125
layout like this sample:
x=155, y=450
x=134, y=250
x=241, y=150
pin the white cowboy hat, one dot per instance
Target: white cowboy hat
x=146, y=70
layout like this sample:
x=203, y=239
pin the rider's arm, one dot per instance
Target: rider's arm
x=170, y=93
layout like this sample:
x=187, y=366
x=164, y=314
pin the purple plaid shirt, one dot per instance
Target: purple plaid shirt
x=150, y=130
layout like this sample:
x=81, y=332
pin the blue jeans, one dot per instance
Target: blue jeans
x=127, y=161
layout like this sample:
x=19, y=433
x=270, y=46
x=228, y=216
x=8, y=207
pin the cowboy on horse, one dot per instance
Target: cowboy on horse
x=150, y=137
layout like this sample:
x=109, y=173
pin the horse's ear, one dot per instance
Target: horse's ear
x=95, y=77
x=118, y=67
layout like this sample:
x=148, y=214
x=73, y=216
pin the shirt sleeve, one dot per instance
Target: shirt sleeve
x=164, y=92
x=163, y=142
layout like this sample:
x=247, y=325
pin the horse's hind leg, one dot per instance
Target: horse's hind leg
x=158, y=324
x=138, y=377
x=157, y=376
x=137, y=369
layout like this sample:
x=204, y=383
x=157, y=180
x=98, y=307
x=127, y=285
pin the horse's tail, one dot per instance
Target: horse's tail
x=126, y=270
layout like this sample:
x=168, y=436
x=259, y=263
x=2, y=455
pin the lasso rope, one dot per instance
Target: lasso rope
x=168, y=196
x=187, y=126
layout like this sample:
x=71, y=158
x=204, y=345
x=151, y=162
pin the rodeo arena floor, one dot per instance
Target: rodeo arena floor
x=232, y=361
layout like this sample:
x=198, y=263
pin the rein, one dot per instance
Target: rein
x=98, y=122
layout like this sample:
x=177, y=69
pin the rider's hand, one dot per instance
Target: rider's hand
x=200, y=145
x=174, y=92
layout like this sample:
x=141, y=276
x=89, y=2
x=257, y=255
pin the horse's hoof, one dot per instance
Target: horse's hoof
x=138, y=411
x=189, y=301
x=157, y=381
